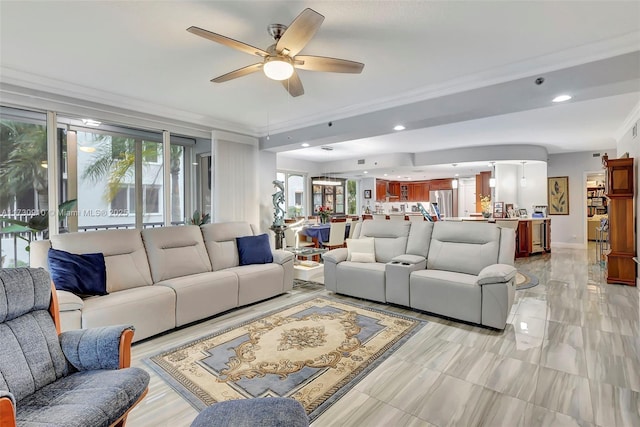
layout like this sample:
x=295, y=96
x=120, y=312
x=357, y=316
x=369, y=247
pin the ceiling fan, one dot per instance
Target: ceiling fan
x=280, y=60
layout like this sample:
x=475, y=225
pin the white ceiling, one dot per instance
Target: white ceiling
x=138, y=55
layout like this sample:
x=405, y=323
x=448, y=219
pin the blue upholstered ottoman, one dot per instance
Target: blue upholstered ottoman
x=263, y=412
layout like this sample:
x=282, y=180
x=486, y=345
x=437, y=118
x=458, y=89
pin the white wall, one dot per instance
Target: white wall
x=367, y=184
x=266, y=175
x=507, y=183
x=569, y=230
x=535, y=193
x=627, y=143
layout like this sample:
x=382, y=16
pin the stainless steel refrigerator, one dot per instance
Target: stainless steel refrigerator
x=442, y=200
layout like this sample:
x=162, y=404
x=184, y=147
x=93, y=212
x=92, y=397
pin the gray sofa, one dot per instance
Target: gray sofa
x=461, y=270
x=161, y=278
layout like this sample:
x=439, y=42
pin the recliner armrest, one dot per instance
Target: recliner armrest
x=7, y=409
x=496, y=273
x=410, y=259
x=336, y=255
x=281, y=256
x=107, y=347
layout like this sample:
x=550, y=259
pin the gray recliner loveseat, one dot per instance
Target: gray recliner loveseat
x=461, y=270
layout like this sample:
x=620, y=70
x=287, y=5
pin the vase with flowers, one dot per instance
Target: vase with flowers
x=485, y=205
x=324, y=212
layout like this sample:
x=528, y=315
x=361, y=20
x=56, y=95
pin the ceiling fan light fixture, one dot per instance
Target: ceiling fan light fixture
x=277, y=68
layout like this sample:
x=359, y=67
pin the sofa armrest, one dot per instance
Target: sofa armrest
x=409, y=259
x=496, y=273
x=7, y=409
x=335, y=256
x=107, y=347
x=68, y=301
x=280, y=256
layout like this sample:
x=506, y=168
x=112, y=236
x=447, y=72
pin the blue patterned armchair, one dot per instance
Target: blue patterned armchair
x=47, y=378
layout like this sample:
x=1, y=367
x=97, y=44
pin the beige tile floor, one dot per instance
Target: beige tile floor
x=570, y=356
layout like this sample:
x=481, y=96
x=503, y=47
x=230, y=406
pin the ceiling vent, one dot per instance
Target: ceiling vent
x=327, y=148
x=361, y=161
x=596, y=154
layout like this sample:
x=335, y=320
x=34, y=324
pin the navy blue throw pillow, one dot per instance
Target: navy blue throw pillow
x=254, y=249
x=81, y=274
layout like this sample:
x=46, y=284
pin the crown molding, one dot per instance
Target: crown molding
x=36, y=87
x=632, y=118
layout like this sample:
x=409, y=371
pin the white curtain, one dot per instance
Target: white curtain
x=235, y=180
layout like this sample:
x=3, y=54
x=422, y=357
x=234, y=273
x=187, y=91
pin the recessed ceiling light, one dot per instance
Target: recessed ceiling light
x=91, y=122
x=385, y=174
x=561, y=98
x=195, y=163
x=305, y=144
x=365, y=172
x=399, y=127
x=399, y=176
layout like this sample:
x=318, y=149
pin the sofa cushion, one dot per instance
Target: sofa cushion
x=175, y=251
x=151, y=309
x=258, y=282
x=419, y=238
x=363, y=248
x=220, y=241
x=362, y=280
x=202, y=295
x=463, y=247
x=81, y=274
x=125, y=258
x=91, y=398
x=391, y=237
x=254, y=250
x=447, y=293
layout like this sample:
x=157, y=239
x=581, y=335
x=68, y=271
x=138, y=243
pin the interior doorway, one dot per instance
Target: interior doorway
x=597, y=209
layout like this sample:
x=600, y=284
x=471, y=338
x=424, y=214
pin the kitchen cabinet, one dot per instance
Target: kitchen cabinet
x=381, y=190
x=619, y=187
x=394, y=191
x=533, y=236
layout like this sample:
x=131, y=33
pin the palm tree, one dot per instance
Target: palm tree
x=23, y=156
x=120, y=168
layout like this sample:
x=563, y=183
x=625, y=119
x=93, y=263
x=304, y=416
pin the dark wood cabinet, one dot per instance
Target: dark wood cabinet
x=533, y=236
x=482, y=187
x=381, y=190
x=621, y=267
x=330, y=196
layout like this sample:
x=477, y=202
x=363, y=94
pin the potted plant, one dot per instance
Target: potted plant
x=485, y=205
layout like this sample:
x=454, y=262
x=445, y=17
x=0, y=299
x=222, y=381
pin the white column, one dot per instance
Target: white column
x=53, y=171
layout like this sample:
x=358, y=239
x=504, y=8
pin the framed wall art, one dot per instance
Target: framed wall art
x=367, y=194
x=558, y=195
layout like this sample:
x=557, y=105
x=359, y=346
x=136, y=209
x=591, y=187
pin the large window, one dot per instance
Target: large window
x=119, y=177
x=294, y=185
x=23, y=179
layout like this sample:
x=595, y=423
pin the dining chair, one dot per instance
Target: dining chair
x=352, y=227
x=290, y=239
x=336, y=235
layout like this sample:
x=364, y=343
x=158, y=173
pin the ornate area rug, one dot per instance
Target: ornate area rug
x=314, y=352
x=525, y=280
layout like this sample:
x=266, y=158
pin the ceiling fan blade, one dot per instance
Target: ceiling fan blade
x=238, y=73
x=324, y=63
x=301, y=30
x=293, y=85
x=235, y=44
